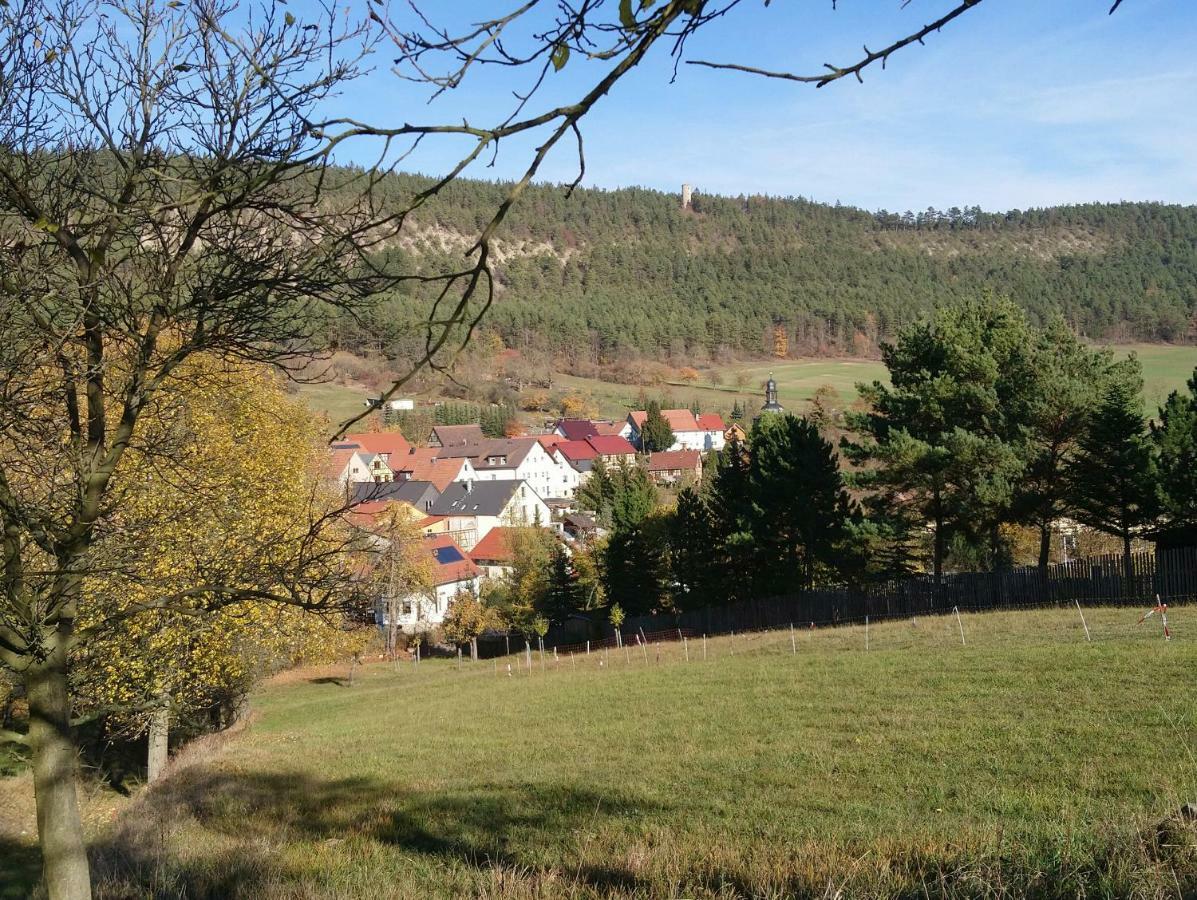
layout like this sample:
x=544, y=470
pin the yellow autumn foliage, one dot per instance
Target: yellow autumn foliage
x=221, y=513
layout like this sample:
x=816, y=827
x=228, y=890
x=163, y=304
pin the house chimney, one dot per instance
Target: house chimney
x=687, y=191
x=469, y=487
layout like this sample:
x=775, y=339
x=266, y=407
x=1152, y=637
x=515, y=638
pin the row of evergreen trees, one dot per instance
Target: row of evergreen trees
x=988, y=422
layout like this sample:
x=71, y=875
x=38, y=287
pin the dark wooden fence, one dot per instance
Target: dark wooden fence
x=1096, y=581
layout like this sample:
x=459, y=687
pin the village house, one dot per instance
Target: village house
x=517, y=459
x=419, y=495
x=427, y=464
x=580, y=429
x=495, y=553
x=349, y=465
x=690, y=432
x=453, y=574
x=674, y=466
x=390, y=445
x=455, y=435
x=473, y=508
x=734, y=434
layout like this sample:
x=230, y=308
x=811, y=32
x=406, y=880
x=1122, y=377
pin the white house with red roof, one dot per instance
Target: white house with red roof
x=703, y=432
x=453, y=574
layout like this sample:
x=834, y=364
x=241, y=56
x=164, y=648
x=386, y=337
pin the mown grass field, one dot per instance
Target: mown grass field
x=1165, y=368
x=1028, y=762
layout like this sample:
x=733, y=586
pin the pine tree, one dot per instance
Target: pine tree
x=561, y=597
x=799, y=509
x=656, y=434
x=732, y=547
x=1068, y=381
x=1113, y=475
x=1175, y=440
x=691, y=540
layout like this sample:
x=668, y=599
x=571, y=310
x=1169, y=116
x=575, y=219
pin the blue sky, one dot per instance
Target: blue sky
x=1019, y=103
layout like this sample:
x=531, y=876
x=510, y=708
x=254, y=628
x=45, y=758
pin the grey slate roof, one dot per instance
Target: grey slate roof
x=414, y=492
x=475, y=498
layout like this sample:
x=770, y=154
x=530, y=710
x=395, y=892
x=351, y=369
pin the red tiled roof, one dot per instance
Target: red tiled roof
x=576, y=450
x=711, y=422
x=610, y=445
x=337, y=461
x=549, y=441
x=446, y=573
x=389, y=443
x=686, y=460
x=494, y=547
x=423, y=464
x=608, y=427
x=576, y=429
x=678, y=419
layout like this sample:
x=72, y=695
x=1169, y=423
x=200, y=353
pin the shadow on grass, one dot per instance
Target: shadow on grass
x=244, y=819
x=20, y=869
x=329, y=679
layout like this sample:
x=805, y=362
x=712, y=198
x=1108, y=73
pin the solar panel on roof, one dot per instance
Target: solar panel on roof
x=446, y=555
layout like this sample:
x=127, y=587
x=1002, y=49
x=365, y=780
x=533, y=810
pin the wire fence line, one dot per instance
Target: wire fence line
x=1095, y=581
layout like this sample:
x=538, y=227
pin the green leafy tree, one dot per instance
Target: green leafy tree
x=656, y=435
x=1113, y=477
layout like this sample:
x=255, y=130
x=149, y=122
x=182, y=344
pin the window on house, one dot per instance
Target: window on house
x=407, y=608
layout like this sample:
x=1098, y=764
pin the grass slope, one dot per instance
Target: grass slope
x=1165, y=369
x=1027, y=763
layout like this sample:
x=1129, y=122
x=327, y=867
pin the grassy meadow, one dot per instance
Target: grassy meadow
x=1165, y=368
x=1025, y=762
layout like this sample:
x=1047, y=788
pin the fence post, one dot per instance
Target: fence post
x=793, y=640
x=1083, y=622
x=588, y=648
x=956, y=610
x=528, y=650
x=866, y=633
x=686, y=647
x=704, y=648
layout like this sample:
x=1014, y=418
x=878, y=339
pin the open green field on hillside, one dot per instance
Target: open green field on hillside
x=1028, y=762
x=1165, y=369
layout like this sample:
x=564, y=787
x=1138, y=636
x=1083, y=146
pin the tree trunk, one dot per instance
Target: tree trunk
x=939, y=549
x=1045, y=549
x=159, y=743
x=474, y=649
x=59, y=827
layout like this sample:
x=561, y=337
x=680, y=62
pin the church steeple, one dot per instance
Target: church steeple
x=771, y=404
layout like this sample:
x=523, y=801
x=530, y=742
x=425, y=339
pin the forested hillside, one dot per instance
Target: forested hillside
x=607, y=273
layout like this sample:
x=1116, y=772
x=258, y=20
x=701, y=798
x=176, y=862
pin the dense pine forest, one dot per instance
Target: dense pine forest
x=604, y=274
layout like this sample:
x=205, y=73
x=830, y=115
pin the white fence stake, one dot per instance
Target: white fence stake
x=704, y=648
x=588, y=648
x=686, y=647
x=956, y=610
x=528, y=649
x=643, y=647
x=1083, y=622
x=866, y=633
x=793, y=640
